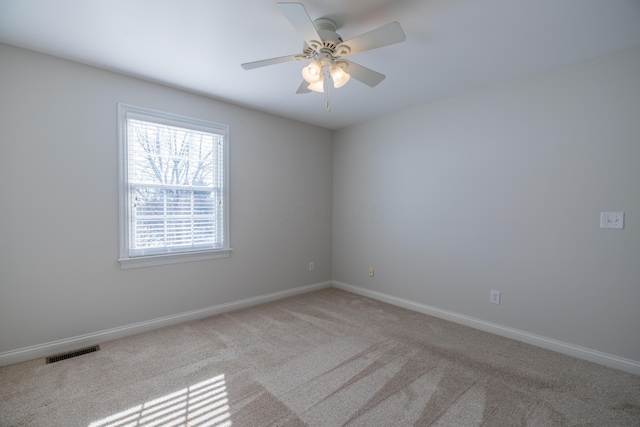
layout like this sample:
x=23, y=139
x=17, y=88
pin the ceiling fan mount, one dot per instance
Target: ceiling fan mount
x=326, y=25
x=324, y=48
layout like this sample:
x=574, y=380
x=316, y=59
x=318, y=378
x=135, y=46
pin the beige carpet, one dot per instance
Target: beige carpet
x=328, y=358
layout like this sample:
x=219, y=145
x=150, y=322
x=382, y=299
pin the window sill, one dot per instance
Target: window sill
x=149, y=261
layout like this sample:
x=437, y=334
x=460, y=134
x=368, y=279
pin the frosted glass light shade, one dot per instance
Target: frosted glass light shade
x=317, y=86
x=339, y=76
x=312, y=73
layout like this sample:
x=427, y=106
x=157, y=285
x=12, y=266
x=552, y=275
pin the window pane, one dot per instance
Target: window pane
x=161, y=154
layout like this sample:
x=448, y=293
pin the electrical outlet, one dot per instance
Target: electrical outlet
x=312, y=267
x=370, y=271
x=494, y=297
x=611, y=219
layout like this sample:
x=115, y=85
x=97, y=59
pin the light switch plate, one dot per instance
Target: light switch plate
x=611, y=219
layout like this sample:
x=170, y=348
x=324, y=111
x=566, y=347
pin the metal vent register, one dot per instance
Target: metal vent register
x=75, y=353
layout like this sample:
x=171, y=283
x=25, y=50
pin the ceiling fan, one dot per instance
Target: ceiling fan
x=324, y=48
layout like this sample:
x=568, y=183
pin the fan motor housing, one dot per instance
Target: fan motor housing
x=326, y=29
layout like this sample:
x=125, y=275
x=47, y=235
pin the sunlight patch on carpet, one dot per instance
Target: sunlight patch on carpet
x=204, y=404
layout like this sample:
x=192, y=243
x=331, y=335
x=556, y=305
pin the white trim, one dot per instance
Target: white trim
x=148, y=261
x=54, y=347
x=42, y=350
x=609, y=360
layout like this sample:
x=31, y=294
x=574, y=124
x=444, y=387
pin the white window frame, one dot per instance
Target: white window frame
x=126, y=260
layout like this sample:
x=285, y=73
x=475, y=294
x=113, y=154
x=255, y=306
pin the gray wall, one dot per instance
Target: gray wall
x=59, y=274
x=502, y=189
x=497, y=189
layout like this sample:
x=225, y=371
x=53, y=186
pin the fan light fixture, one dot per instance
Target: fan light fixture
x=314, y=73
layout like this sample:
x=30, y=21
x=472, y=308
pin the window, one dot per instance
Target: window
x=173, y=188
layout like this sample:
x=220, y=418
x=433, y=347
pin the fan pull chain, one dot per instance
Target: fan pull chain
x=326, y=90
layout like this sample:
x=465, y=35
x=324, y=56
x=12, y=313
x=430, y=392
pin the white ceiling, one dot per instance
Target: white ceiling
x=452, y=46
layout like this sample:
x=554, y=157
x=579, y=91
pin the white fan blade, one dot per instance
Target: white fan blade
x=364, y=74
x=265, y=62
x=304, y=87
x=384, y=36
x=299, y=18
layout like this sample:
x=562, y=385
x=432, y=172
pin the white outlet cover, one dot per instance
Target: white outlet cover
x=611, y=219
x=494, y=297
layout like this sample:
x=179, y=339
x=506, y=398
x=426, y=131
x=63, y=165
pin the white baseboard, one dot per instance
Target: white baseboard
x=42, y=350
x=611, y=361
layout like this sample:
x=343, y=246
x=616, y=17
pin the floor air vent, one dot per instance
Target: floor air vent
x=70, y=354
